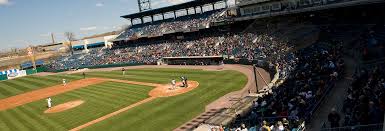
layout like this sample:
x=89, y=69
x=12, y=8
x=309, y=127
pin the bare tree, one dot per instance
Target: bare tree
x=70, y=37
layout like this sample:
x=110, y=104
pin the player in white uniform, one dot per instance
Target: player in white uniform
x=173, y=83
x=124, y=71
x=64, y=82
x=49, y=102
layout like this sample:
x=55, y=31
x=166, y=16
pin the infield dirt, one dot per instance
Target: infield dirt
x=64, y=106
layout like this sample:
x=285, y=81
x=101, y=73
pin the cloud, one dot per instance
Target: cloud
x=5, y=2
x=45, y=35
x=88, y=28
x=106, y=28
x=99, y=4
x=117, y=27
x=20, y=41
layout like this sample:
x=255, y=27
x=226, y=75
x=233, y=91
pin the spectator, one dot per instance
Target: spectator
x=265, y=127
x=368, y=107
x=293, y=98
x=334, y=118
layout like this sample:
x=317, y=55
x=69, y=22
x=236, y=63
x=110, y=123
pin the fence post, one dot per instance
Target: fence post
x=255, y=78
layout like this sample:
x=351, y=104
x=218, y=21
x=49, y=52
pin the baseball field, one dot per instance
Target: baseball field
x=111, y=100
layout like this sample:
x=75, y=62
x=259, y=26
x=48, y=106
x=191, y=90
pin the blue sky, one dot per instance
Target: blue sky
x=30, y=22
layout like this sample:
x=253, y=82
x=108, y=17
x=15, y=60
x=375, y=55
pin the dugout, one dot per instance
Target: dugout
x=192, y=60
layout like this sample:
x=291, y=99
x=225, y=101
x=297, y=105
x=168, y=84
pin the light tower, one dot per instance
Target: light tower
x=144, y=5
x=31, y=54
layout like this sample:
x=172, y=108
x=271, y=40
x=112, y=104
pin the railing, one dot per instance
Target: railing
x=260, y=63
x=370, y=127
x=374, y=62
x=253, y=121
x=314, y=108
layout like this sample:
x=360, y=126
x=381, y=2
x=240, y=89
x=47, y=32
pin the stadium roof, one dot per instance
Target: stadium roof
x=189, y=4
x=50, y=44
x=102, y=35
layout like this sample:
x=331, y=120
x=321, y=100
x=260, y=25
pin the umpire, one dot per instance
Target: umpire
x=184, y=81
x=84, y=75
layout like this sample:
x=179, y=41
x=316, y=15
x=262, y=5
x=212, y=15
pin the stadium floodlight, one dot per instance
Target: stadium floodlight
x=144, y=5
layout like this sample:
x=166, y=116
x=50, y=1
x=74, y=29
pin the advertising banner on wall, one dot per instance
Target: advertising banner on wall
x=13, y=75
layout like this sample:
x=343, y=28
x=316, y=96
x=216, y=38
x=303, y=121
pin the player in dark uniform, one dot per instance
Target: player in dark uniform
x=185, y=81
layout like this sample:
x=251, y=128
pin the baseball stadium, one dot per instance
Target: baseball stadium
x=207, y=65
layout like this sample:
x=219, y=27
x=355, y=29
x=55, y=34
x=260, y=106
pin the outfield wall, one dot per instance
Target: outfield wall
x=3, y=77
x=15, y=73
x=45, y=69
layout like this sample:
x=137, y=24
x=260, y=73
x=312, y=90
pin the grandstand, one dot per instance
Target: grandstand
x=193, y=16
x=341, y=28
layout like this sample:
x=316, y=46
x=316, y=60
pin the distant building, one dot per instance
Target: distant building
x=95, y=41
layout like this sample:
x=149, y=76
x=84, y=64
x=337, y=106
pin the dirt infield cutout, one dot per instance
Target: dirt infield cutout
x=64, y=106
x=160, y=90
x=164, y=91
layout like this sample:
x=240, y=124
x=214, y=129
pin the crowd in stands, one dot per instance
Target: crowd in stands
x=180, y=24
x=373, y=43
x=246, y=46
x=291, y=102
x=365, y=102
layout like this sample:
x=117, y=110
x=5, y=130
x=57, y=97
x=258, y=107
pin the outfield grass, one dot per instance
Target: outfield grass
x=160, y=114
x=21, y=85
x=99, y=100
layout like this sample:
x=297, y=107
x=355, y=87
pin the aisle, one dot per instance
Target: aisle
x=335, y=98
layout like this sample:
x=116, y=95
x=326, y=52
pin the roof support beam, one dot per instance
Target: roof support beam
x=174, y=14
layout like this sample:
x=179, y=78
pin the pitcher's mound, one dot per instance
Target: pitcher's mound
x=64, y=106
x=166, y=90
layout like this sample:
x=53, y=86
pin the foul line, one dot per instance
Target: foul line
x=112, y=114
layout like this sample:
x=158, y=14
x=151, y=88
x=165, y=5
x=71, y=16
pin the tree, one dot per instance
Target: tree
x=70, y=37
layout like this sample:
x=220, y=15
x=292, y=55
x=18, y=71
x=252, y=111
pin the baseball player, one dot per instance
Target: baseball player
x=182, y=79
x=124, y=71
x=173, y=83
x=84, y=75
x=64, y=82
x=49, y=102
x=185, y=82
